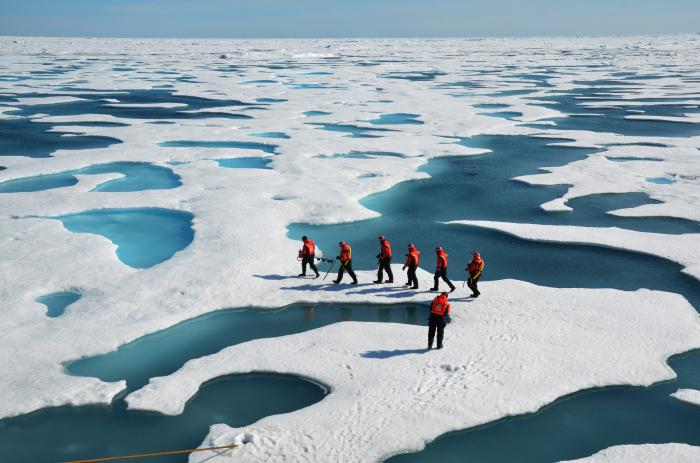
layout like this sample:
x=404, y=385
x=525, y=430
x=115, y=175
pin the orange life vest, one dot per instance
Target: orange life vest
x=440, y=306
x=413, y=257
x=345, y=252
x=386, y=250
x=309, y=248
x=475, y=268
x=441, y=260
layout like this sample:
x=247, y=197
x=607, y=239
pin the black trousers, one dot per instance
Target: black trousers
x=411, y=274
x=347, y=267
x=385, y=264
x=472, y=283
x=308, y=259
x=442, y=273
x=436, y=323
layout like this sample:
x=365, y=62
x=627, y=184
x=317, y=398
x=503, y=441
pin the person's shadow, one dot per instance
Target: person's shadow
x=385, y=354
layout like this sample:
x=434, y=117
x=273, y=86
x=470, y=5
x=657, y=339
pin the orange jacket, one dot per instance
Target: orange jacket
x=441, y=260
x=385, y=251
x=475, y=267
x=308, y=248
x=413, y=257
x=345, y=253
x=440, y=306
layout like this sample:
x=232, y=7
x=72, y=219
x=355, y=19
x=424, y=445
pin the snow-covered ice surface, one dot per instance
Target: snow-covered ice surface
x=514, y=354
x=384, y=383
x=666, y=453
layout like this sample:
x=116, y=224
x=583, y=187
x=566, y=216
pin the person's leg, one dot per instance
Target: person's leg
x=380, y=272
x=431, y=334
x=436, y=278
x=348, y=267
x=387, y=266
x=413, y=278
x=341, y=270
x=440, y=334
x=476, y=287
x=304, y=261
x=312, y=264
x=447, y=280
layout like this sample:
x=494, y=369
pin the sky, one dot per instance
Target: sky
x=350, y=18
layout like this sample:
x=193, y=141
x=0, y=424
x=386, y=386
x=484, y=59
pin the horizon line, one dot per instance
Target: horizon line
x=367, y=37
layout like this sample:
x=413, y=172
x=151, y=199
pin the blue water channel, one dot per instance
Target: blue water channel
x=138, y=176
x=245, y=163
x=612, y=119
x=144, y=236
x=75, y=433
x=66, y=433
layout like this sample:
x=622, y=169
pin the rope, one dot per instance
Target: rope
x=157, y=454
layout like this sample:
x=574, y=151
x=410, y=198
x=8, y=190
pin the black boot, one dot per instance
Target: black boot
x=415, y=287
x=354, y=282
x=302, y=275
x=336, y=281
x=376, y=282
x=433, y=289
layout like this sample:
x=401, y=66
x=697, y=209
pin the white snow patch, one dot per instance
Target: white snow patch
x=687, y=395
x=657, y=453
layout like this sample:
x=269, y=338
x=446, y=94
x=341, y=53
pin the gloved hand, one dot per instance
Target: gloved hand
x=404, y=268
x=448, y=319
x=337, y=257
x=378, y=255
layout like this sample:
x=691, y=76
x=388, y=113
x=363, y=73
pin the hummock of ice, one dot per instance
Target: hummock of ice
x=505, y=353
x=666, y=453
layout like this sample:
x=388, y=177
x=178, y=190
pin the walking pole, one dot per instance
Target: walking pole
x=329, y=270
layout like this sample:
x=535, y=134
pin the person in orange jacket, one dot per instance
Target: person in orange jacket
x=475, y=268
x=412, y=261
x=308, y=254
x=345, y=258
x=441, y=270
x=384, y=258
x=439, y=310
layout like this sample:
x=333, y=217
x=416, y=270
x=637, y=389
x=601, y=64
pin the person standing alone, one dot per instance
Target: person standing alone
x=308, y=254
x=412, y=261
x=475, y=268
x=441, y=270
x=345, y=258
x=384, y=258
x=439, y=309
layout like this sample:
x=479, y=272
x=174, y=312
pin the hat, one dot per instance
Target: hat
x=438, y=248
x=381, y=238
x=304, y=238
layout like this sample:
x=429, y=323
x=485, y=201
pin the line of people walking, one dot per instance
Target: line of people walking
x=474, y=269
